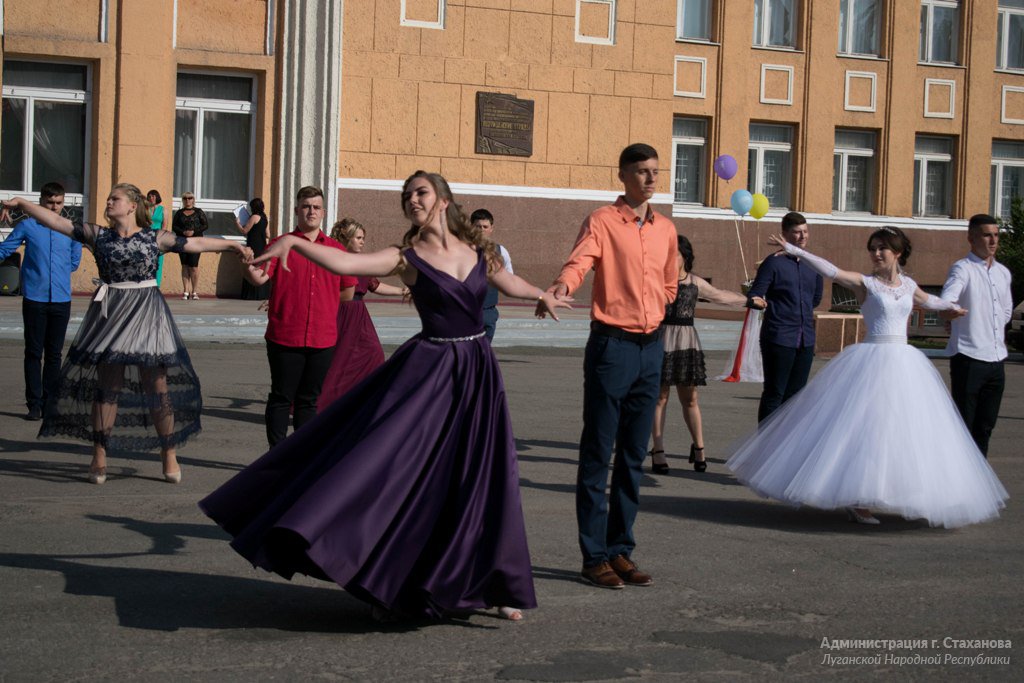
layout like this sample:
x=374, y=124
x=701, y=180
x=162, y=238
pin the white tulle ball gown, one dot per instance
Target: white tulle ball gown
x=875, y=428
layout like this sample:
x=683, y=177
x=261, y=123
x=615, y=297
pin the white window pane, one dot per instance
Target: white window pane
x=1019, y=4
x=1015, y=36
x=214, y=87
x=184, y=151
x=855, y=139
x=943, y=34
x=687, y=128
x=225, y=167
x=930, y=145
x=694, y=17
x=759, y=21
x=923, y=45
x=45, y=75
x=12, y=142
x=58, y=145
x=752, y=171
x=993, y=193
x=776, y=174
x=858, y=183
x=782, y=20
x=766, y=133
x=865, y=22
x=1008, y=150
x=917, y=187
x=689, y=163
x=936, y=188
x=837, y=168
x=1012, y=186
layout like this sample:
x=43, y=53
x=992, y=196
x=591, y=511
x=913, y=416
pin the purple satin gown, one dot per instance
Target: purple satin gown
x=405, y=491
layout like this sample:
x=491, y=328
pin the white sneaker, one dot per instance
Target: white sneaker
x=184, y=297
x=195, y=297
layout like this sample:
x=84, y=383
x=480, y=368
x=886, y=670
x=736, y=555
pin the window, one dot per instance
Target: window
x=860, y=24
x=940, y=27
x=595, y=21
x=933, y=176
x=770, y=163
x=423, y=13
x=853, y=171
x=1010, y=45
x=213, y=144
x=1007, y=176
x=693, y=20
x=688, y=138
x=44, y=127
x=775, y=23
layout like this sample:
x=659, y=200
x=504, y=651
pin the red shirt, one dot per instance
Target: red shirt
x=304, y=300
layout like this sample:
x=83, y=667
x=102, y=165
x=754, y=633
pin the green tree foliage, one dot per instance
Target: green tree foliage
x=1011, y=247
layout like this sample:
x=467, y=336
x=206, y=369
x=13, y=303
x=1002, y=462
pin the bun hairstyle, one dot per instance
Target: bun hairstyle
x=455, y=218
x=134, y=194
x=345, y=229
x=895, y=239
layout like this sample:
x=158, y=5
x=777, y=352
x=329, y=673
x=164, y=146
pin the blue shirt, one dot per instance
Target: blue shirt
x=792, y=291
x=50, y=258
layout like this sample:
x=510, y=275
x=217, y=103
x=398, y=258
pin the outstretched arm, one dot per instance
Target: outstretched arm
x=375, y=264
x=930, y=302
x=846, y=278
x=518, y=288
x=705, y=290
x=42, y=215
x=199, y=245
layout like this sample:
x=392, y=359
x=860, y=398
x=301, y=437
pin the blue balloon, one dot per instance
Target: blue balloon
x=741, y=201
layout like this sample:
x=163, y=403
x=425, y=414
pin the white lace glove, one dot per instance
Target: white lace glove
x=935, y=303
x=818, y=264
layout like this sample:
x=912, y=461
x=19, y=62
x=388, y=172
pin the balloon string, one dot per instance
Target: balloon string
x=743, y=260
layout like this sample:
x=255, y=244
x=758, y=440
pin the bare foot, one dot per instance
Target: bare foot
x=510, y=613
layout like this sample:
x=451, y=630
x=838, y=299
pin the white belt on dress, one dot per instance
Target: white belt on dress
x=101, y=294
x=456, y=339
x=885, y=339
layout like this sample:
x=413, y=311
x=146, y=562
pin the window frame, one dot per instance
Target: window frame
x=926, y=29
x=762, y=41
x=702, y=143
x=1002, y=44
x=613, y=9
x=201, y=106
x=880, y=9
x=442, y=6
x=844, y=153
x=999, y=164
x=760, y=148
x=679, y=21
x=32, y=94
x=924, y=158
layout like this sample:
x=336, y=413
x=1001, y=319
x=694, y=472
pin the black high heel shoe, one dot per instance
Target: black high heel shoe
x=658, y=467
x=698, y=465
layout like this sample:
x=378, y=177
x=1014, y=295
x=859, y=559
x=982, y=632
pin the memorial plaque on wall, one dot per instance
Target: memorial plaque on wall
x=504, y=125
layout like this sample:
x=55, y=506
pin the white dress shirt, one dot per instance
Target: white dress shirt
x=506, y=258
x=985, y=292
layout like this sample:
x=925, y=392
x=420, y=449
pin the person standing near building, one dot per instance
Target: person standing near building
x=50, y=258
x=793, y=290
x=189, y=221
x=483, y=220
x=156, y=206
x=301, y=328
x=632, y=251
x=977, y=346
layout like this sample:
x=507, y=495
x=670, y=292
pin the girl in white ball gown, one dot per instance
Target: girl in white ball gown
x=876, y=428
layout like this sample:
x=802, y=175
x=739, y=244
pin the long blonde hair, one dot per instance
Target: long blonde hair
x=134, y=194
x=455, y=218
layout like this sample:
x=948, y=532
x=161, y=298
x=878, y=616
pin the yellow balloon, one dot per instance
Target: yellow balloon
x=760, y=206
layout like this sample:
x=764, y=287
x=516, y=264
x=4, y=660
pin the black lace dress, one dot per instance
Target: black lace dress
x=128, y=352
x=683, y=364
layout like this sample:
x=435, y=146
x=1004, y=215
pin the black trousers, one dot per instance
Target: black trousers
x=296, y=378
x=45, y=327
x=977, y=388
x=785, y=372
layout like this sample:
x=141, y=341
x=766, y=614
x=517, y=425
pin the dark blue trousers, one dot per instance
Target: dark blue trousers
x=977, y=388
x=786, y=370
x=45, y=327
x=621, y=380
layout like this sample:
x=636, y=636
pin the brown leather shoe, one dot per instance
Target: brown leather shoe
x=602, y=575
x=629, y=572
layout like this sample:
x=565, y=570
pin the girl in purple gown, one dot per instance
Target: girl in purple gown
x=358, y=351
x=405, y=491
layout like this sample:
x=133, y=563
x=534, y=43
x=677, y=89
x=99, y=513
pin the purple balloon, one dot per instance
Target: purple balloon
x=725, y=167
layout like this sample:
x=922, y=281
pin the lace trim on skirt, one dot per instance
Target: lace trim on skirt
x=684, y=368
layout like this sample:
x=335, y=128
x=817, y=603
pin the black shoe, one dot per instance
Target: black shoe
x=658, y=467
x=698, y=465
x=35, y=414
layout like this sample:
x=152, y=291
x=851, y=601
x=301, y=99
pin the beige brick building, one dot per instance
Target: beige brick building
x=855, y=112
